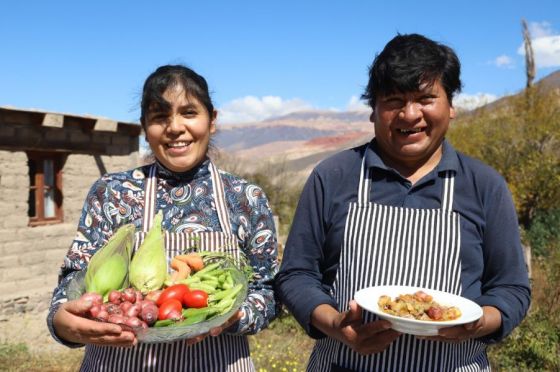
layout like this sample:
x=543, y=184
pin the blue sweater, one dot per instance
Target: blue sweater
x=493, y=267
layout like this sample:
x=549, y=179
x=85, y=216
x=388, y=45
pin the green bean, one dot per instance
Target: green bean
x=189, y=280
x=209, y=278
x=228, y=293
x=164, y=323
x=222, y=278
x=224, y=305
x=229, y=282
x=206, y=287
x=207, y=269
x=194, y=319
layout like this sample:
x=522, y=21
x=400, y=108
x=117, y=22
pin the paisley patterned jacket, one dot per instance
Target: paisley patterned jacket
x=187, y=203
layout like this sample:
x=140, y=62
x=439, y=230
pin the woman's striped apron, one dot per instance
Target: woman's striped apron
x=222, y=353
x=386, y=245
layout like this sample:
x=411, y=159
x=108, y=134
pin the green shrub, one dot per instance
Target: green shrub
x=534, y=346
x=544, y=233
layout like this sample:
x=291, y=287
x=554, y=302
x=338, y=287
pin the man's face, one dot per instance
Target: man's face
x=410, y=127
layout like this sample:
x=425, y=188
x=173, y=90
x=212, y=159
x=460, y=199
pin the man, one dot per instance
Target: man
x=405, y=209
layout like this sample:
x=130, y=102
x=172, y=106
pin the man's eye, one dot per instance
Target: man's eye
x=394, y=102
x=427, y=99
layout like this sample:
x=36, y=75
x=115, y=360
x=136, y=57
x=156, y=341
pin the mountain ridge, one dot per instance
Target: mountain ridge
x=300, y=140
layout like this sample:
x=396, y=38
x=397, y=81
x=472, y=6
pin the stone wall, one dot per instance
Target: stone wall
x=30, y=257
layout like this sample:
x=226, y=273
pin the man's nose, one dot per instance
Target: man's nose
x=411, y=111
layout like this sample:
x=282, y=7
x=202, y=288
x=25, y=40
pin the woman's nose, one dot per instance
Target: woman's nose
x=175, y=124
x=411, y=111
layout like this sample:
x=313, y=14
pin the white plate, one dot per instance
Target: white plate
x=367, y=298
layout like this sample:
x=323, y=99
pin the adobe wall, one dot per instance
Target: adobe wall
x=30, y=257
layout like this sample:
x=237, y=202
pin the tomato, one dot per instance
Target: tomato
x=176, y=292
x=170, y=309
x=197, y=298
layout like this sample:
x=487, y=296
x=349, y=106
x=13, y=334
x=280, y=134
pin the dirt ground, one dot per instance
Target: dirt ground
x=31, y=329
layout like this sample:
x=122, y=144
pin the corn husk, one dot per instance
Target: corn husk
x=148, y=269
x=108, y=267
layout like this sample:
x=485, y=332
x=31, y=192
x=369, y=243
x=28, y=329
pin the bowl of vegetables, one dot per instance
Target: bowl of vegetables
x=182, y=308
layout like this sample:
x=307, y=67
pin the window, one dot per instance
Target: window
x=45, y=187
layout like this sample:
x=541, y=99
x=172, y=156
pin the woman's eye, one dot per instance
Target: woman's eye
x=158, y=118
x=190, y=113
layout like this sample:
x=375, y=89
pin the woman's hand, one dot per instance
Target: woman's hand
x=217, y=330
x=70, y=324
x=489, y=323
x=347, y=327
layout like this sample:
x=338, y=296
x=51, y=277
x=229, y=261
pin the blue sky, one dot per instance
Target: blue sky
x=260, y=58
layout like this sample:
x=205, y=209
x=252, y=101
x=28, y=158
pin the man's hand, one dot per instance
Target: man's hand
x=347, y=327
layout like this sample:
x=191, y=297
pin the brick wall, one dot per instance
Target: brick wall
x=31, y=256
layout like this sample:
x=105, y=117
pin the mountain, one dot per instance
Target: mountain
x=298, y=140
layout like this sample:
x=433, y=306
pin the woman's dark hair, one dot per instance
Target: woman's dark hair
x=406, y=62
x=168, y=76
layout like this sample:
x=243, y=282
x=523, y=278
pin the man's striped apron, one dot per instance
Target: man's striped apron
x=222, y=353
x=386, y=245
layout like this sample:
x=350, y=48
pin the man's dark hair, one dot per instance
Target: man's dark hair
x=406, y=62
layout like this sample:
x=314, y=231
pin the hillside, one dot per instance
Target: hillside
x=298, y=141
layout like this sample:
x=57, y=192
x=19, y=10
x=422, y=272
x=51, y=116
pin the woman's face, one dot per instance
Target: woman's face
x=410, y=126
x=179, y=137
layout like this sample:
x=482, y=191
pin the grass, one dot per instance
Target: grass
x=17, y=357
x=282, y=347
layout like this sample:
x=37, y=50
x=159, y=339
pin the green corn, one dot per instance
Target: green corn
x=148, y=269
x=108, y=267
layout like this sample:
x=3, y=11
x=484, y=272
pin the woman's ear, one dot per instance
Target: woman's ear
x=451, y=112
x=213, y=121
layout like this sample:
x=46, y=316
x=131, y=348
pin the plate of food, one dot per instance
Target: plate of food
x=418, y=311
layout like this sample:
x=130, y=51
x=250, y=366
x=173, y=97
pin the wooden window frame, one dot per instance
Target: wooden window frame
x=39, y=186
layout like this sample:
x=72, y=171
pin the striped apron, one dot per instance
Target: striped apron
x=222, y=353
x=386, y=245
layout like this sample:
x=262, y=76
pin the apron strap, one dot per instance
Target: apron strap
x=365, y=185
x=448, y=188
x=365, y=182
x=149, y=199
x=218, y=191
x=220, y=198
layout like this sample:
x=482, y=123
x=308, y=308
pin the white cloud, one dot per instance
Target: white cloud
x=503, y=61
x=251, y=108
x=540, y=29
x=356, y=104
x=471, y=101
x=546, y=45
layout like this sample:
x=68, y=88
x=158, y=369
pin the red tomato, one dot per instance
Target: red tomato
x=196, y=298
x=176, y=291
x=171, y=308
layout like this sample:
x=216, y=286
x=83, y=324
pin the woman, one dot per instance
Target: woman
x=198, y=201
x=404, y=209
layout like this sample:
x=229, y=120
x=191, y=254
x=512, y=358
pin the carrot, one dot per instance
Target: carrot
x=193, y=259
x=183, y=270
